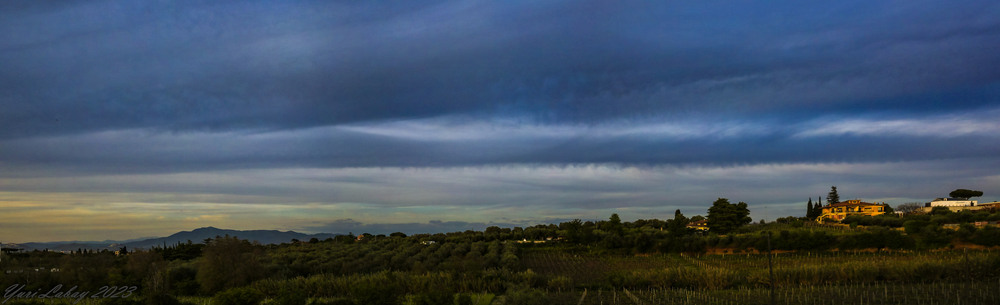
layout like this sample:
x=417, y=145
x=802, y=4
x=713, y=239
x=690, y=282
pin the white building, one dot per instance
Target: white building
x=952, y=202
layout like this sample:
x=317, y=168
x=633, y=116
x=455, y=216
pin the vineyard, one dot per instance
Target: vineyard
x=973, y=292
x=924, y=277
x=390, y=255
x=751, y=270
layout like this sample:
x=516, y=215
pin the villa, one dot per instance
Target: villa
x=838, y=211
x=701, y=225
x=951, y=202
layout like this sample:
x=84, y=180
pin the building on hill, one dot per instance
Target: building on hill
x=995, y=204
x=839, y=211
x=701, y=225
x=951, y=202
x=988, y=206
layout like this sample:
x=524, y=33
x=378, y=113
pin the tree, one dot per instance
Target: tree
x=965, y=194
x=149, y=268
x=887, y=209
x=909, y=207
x=228, y=262
x=725, y=217
x=814, y=211
x=818, y=207
x=678, y=225
x=615, y=224
x=573, y=230
x=832, y=197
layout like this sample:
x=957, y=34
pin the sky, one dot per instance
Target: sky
x=126, y=119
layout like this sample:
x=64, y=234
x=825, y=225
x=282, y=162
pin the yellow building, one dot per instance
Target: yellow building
x=701, y=225
x=838, y=211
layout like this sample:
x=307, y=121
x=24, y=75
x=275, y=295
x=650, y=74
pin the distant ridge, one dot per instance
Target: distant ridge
x=195, y=236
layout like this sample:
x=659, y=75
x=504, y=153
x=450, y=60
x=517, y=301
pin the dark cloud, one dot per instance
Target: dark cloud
x=401, y=112
x=441, y=143
x=195, y=65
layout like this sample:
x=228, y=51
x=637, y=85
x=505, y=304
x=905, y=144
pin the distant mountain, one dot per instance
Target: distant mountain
x=195, y=236
x=199, y=236
x=65, y=246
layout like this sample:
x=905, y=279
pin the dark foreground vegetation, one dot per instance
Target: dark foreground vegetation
x=935, y=258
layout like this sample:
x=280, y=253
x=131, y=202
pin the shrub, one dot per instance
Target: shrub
x=876, y=239
x=940, y=211
x=434, y=298
x=934, y=237
x=463, y=299
x=988, y=236
x=376, y=292
x=885, y=220
x=238, y=296
x=915, y=226
x=526, y=297
x=182, y=281
x=560, y=283
x=290, y=296
x=162, y=299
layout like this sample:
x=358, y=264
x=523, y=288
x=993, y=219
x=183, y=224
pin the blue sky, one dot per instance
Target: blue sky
x=122, y=119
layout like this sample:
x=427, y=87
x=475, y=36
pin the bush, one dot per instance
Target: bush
x=885, y=220
x=376, y=292
x=162, y=299
x=877, y=238
x=988, y=236
x=934, y=237
x=238, y=296
x=526, y=297
x=940, y=211
x=290, y=296
x=182, y=281
x=334, y=302
x=434, y=298
x=463, y=299
x=560, y=283
x=915, y=226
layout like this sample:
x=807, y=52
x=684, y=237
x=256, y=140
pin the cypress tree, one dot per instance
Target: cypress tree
x=678, y=225
x=833, y=197
x=818, y=208
x=809, y=208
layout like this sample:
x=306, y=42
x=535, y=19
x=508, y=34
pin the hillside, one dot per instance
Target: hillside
x=195, y=236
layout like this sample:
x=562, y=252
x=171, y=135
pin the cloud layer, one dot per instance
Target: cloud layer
x=235, y=113
x=195, y=65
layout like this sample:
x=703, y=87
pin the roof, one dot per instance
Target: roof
x=848, y=204
x=952, y=199
x=703, y=222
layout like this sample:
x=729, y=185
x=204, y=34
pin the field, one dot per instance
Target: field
x=555, y=275
x=580, y=263
x=923, y=277
x=877, y=293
